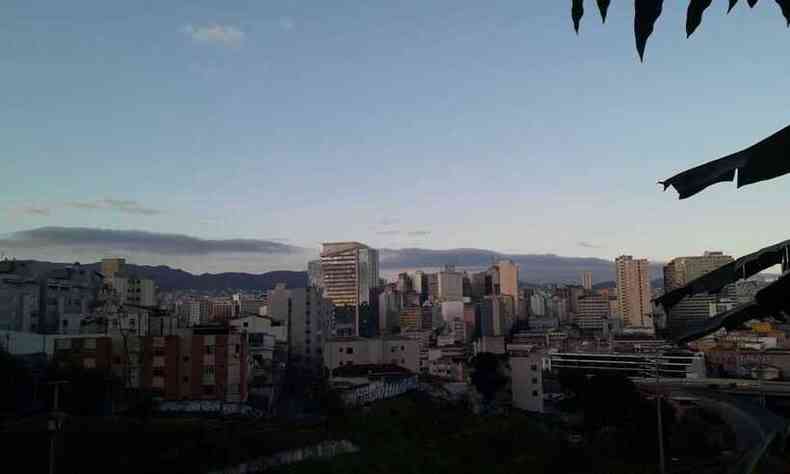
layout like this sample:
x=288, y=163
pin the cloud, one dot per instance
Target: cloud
x=105, y=240
x=388, y=232
x=588, y=245
x=119, y=205
x=35, y=211
x=225, y=35
x=419, y=233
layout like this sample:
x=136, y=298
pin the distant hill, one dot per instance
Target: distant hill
x=174, y=279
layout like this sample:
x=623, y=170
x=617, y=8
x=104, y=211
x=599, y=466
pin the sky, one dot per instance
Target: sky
x=441, y=124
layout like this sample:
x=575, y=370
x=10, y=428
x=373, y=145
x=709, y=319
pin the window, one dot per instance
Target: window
x=159, y=372
x=237, y=348
x=534, y=368
x=209, y=349
x=349, y=350
x=186, y=358
x=208, y=390
x=393, y=349
x=65, y=323
x=208, y=370
x=246, y=325
x=159, y=351
x=534, y=380
x=534, y=393
x=403, y=348
x=185, y=379
x=89, y=363
x=89, y=343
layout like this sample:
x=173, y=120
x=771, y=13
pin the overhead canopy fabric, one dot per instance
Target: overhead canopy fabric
x=765, y=160
x=744, y=267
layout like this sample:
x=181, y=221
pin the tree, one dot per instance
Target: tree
x=487, y=376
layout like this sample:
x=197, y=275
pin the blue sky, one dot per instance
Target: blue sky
x=438, y=124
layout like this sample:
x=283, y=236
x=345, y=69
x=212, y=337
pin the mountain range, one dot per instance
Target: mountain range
x=534, y=269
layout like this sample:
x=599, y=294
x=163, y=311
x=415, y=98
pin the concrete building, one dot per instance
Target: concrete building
x=397, y=350
x=350, y=271
x=306, y=313
x=67, y=296
x=587, y=281
x=694, y=310
x=19, y=297
x=526, y=372
x=507, y=277
x=634, y=291
x=594, y=306
x=450, y=284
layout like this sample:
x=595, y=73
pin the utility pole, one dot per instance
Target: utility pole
x=54, y=425
x=661, y=458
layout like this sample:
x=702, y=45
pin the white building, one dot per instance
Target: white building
x=451, y=284
x=308, y=314
x=396, y=350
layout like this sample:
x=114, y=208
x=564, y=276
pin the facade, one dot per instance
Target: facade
x=112, y=266
x=526, y=372
x=348, y=351
x=587, y=281
x=411, y=318
x=350, y=271
x=307, y=315
x=67, y=296
x=450, y=285
x=508, y=278
x=19, y=298
x=694, y=310
x=315, y=276
x=200, y=364
x=390, y=304
x=593, y=306
x=634, y=291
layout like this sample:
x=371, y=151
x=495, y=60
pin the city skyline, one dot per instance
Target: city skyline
x=190, y=131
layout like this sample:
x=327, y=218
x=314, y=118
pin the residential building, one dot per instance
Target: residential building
x=507, y=273
x=397, y=350
x=594, y=306
x=19, y=297
x=634, y=291
x=526, y=372
x=694, y=310
x=350, y=271
x=306, y=313
x=66, y=297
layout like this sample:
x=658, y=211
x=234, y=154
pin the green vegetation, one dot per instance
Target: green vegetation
x=415, y=434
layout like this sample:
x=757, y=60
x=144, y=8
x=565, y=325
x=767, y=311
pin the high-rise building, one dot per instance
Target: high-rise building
x=633, y=291
x=111, y=266
x=507, y=276
x=314, y=275
x=587, y=281
x=694, y=310
x=308, y=315
x=350, y=271
x=450, y=284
